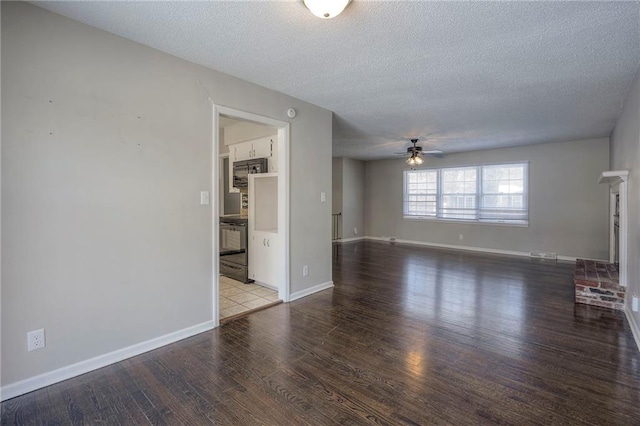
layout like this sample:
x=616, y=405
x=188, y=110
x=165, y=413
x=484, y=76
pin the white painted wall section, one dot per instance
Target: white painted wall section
x=568, y=209
x=106, y=147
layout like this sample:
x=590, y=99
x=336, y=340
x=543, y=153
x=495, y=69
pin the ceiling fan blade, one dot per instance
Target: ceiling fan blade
x=416, y=150
x=409, y=151
x=435, y=154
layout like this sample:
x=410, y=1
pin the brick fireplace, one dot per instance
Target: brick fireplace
x=597, y=283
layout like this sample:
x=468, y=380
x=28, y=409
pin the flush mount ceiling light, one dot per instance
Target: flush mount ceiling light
x=326, y=9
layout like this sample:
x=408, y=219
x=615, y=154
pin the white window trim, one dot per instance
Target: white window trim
x=516, y=224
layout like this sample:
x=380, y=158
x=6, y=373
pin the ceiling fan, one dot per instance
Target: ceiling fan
x=416, y=152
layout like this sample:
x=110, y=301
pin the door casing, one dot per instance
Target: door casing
x=284, y=287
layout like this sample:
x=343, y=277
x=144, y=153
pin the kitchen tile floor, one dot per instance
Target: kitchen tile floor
x=236, y=297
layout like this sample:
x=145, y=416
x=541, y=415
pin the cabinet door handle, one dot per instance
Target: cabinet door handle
x=268, y=243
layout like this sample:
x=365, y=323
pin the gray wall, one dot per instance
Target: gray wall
x=244, y=131
x=106, y=147
x=567, y=208
x=336, y=185
x=352, y=197
x=625, y=155
x=336, y=194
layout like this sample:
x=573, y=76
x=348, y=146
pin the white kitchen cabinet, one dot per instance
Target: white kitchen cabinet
x=262, y=147
x=241, y=151
x=265, y=251
x=264, y=258
x=257, y=148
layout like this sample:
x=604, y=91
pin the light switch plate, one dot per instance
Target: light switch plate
x=204, y=197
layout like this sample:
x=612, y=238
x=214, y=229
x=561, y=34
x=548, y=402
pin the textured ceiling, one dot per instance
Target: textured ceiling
x=471, y=75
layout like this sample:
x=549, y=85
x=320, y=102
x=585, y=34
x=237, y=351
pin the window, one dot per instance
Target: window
x=420, y=193
x=491, y=193
x=503, y=193
x=458, y=193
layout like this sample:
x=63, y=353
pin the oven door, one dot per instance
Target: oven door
x=233, y=241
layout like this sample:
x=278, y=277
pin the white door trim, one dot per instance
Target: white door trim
x=617, y=180
x=221, y=188
x=283, y=197
x=623, y=259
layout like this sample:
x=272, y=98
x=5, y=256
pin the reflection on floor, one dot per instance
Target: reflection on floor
x=236, y=297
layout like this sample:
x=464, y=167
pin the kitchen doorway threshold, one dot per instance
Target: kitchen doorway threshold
x=245, y=313
x=237, y=298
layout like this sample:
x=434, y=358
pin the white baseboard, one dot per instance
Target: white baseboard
x=635, y=330
x=269, y=286
x=348, y=240
x=571, y=258
x=46, y=379
x=478, y=249
x=455, y=247
x=308, y=291
x=574, y=258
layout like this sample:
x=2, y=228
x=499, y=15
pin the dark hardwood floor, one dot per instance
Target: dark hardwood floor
x=409, y=335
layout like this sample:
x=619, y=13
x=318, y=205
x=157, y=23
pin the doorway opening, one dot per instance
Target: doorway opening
x=245, y=206
x=618, y=220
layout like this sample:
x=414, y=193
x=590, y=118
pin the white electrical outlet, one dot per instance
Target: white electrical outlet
x=460, y=237
x=355, y=231
x=323, y=197
x=305, y=270
x=634, y=303
x=35, y=340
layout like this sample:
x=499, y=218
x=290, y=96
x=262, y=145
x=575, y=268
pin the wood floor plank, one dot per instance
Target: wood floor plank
x=408, y=335
x=329, y=397
x=20, y=410
x=120, y=387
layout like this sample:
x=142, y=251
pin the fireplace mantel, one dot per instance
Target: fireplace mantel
x=614, y=177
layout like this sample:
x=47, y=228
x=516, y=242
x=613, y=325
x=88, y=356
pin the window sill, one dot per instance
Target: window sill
x=469, y=222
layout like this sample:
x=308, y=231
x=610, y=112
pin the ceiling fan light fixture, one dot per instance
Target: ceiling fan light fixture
x=326, y=9
x=414, y=160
